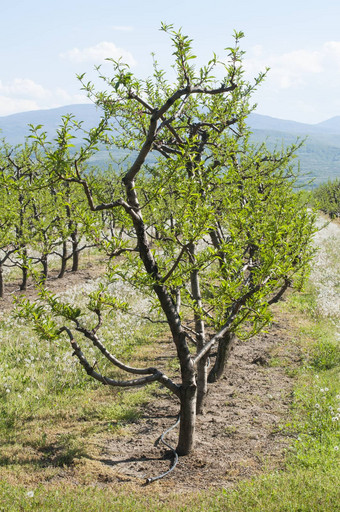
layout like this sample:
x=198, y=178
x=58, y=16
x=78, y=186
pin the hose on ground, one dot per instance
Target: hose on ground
x=153, y=479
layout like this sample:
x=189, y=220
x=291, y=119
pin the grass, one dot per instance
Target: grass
x=52, y=415
x=295, y=491
x=53, y=419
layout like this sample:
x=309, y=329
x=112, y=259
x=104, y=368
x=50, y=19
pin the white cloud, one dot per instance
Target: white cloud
x=332, y=51
x=11, y=106
x=297, y=68
x=302, y=84
x=257, y=50
x=289, y=69
x=302, y=61
x=23, y=94
x=333, y=47
x=98, y=53
x=20, y=87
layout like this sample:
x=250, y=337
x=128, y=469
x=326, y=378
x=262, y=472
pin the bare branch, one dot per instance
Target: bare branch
x=153, y=373
x=134, y=169
x=104, y=380
x=279, y=294
x=175, y=265
x=234, y=311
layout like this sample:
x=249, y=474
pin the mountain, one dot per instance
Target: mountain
x=319, y=157
x=15, y=127
x=260, y=122
x=332, y=125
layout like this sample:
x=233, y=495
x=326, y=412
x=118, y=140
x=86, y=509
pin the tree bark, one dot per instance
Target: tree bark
x=24, y=270
x=202, y=370
x=202, y=383
x=188, y=393
x=44, y=263
x=75, y=252
x=186, y=438
x=225, y=346
x=63, y=260
x=2, y=290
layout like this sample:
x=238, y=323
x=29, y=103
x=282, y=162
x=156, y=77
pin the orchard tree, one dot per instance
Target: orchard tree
x=210, y=227
x=326, y=197
x=18, y=169
x=7, y=232
x=71, y=225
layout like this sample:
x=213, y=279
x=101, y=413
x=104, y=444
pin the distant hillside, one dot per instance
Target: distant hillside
x=319, y=157
x=15, y=127
x=260, y=122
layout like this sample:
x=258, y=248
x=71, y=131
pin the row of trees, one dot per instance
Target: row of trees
x=212, y=230
x=41, y=217
x=326, y=197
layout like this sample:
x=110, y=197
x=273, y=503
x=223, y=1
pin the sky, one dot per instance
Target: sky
x=46, y=43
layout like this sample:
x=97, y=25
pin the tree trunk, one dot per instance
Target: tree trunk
x=225, y=346
x=63, y=260
x=75, y=260
x=24, y=270
x=45, y=267
x=23, y=285
x=1, y=282
x=202, y=370
x=188, y=390
x=75, y=252
x=186, y=439
x=202, y=383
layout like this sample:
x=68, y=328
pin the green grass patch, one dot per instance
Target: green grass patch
x=325, y=355
x=51, y=413
x=294, y=491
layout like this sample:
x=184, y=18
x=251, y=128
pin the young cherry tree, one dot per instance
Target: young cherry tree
x=17, y=173
x=210, y=227
x=7, y=233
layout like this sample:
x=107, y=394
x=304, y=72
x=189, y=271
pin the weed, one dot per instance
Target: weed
x=230, y=430
x=305, y=302
x=325, y=355
x=68, y=449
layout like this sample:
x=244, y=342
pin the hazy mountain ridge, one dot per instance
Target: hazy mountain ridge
x=330, y=126
x=319, y=157
x=15, y=127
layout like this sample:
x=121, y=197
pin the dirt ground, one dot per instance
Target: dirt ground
x=238, y=435
x=90, y=272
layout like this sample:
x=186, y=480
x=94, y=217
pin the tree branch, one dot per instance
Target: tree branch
x=234, y=310
x=175, y=265
x=152, y=373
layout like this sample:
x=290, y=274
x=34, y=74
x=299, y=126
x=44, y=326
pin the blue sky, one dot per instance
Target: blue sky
x=44, y=43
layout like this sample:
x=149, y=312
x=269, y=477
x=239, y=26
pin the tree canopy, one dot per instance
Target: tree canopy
x=210, y=229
